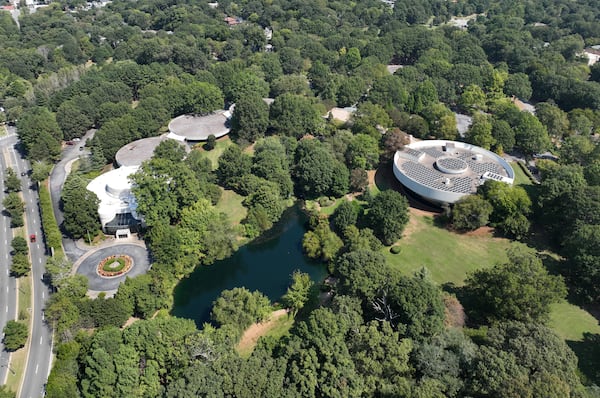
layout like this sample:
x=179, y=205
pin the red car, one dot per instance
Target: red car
x=32, y=238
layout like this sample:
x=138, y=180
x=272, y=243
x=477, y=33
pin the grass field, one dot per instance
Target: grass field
x=520, y=176
x=571, y=322
x=447, y=255
x=222, y=144
x=17, y=367
x=275, y=329
x=231, y=204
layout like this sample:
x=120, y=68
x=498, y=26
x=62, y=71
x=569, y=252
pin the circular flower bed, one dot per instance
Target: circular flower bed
x=114, y=265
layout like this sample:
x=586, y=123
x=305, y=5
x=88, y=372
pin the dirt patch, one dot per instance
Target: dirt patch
x=371, y=177
x=130, y=321
x=256, y=330
x=413, y=223
x=482, y=232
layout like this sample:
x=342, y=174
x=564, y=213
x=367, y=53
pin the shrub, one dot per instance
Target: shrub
x=19, y=245
x=395, y=249
x=15, y=335
x=211, y=142
x=49, y=225
x=326, y=201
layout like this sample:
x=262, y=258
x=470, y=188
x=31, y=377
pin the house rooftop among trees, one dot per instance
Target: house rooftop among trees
x=444, y=171
x=198, y=128
x=137, y=152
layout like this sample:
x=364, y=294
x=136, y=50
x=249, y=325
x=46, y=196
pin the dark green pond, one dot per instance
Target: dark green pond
x=265, y=265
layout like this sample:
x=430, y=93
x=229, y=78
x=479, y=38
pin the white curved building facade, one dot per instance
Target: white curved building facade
x=443, y=171
x=117, y=208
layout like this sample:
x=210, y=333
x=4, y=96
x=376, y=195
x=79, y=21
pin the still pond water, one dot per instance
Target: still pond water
x=266, y=266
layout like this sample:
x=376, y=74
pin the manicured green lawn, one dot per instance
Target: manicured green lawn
x=222, y=144
x=582, y=333
x=231, y=204
x=520, y=176
x=571, y=322
x=447, y=255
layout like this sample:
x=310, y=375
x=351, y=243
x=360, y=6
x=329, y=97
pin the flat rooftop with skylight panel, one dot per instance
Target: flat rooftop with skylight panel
x=444, y=171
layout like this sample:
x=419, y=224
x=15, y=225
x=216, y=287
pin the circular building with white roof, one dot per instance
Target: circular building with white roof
x=198, y=128
x=137, y=152
x=444, y=171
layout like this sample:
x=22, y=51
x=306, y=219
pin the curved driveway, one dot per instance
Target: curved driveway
x=89, y=263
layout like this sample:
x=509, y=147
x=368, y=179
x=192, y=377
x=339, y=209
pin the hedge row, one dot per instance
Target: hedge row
x=527, y=172
x=49, y=225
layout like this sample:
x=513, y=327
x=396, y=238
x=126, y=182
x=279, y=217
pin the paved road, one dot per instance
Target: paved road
x=57, y=179
x=8, y=287
x=89, y=265
x=40, y=350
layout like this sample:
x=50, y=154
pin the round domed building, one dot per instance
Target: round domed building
x=444, y=171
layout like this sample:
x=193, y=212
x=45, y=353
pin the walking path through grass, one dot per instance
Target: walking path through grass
x=278, y=324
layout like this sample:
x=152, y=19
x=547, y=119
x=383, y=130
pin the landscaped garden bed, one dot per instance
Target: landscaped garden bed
x=114, y=265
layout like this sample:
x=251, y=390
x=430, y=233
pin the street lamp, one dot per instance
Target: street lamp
x=7, y=366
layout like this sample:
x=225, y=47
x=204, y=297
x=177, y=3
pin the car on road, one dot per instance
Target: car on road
x=32, y=238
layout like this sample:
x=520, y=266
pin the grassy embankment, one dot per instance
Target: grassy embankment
x=275, y=328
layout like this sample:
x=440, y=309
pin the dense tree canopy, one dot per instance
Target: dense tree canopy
x=80, y=207
x=382, y=333
x=520, y=289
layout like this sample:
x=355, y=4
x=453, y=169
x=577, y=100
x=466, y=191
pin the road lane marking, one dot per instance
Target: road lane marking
x=40, y=260
x=36, y=368
x=43, y=294
x=7, y=308
x=40, y=343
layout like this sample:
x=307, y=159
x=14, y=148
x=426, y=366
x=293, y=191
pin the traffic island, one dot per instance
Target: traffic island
x=115, y=265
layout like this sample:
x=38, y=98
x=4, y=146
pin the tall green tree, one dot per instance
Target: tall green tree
x=20, y=265
x=297, y=294
x=80, y=207
x=239, y=308
x=250, y=118
x=470, y=213
x=388, y=215
x=317, y=172
x=480, y=131
x=520, y=289
x=40, y=133
x=12, y=183
x=321, y=243
x=233, y=164
x=295, y=116
x=15, y=335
